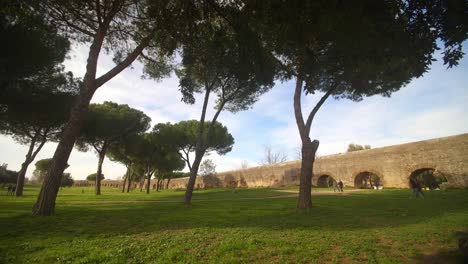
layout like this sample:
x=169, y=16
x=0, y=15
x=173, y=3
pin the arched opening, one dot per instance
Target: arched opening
x=367, y=180
x=428, y=178
x=325, y=181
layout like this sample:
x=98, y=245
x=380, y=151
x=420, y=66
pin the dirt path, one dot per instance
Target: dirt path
x=346, y=192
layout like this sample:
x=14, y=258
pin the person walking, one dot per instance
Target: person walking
x=340, y=186
x=419, y=188
x=335, y=186
x=416, y=188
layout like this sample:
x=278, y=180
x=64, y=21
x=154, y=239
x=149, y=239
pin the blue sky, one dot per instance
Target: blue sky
x=429, y=107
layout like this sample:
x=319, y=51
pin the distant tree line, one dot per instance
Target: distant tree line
x=355, y=147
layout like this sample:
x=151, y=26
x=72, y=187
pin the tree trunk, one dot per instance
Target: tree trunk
x=307, y=165
x=129, y=184
x=24, y=168
x=127, y=176
x=162, y=184
x=30, y=156
x=45, y=203
x=192, y=179
x=309, y=148
x=46, y=200
x=102, y=155
x=148, y=185
x=123, y=185
x=142, y=183
x=167, y=184
x=20, y=179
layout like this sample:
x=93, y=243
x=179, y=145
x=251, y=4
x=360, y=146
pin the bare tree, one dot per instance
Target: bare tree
x=273, y=157
x=207, y=168
x=244, y=165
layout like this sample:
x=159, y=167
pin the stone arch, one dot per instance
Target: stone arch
x=428, y=177
x=325, y=180
x=368, y=179
x=316, y=176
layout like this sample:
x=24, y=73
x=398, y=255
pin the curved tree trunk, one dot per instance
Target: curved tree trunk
x=157, y=184
x=24, y=167
x=127, y=177
x=309, y=148
x=192, y=179
x=30, y=156
x=102, y=155
x=20, y=178
x=167, y=183
x=45, y=203
x=307, y=164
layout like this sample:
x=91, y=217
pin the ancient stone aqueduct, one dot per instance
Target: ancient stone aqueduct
x=392, y=164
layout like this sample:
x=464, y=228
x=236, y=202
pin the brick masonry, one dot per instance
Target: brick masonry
x=393, y=164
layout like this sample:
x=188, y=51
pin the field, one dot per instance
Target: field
x=234, y=226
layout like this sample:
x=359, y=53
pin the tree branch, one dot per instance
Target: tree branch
x=43, y=141
x=316, y=108
x=297, y=107
x=127, y=61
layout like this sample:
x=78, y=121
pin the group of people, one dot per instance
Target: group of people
x=416, y=186
x=11, y=189
x=338, y=186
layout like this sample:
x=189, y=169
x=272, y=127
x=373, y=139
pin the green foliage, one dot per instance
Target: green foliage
x=183, y=136
x=6, y=175
x=108, y=123
x=67, y=180
x=179, y=174
x=257, y=225
x=222, y=56
x=207, y=168
x=92, y=177
x=376, y=47
x=125, y=151
x=355, y=147
x=144, y=154
x=31, y=53
x=35, y=93
x=41, y=169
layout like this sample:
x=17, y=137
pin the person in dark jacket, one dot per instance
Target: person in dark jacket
x=415, y=185
x=340, y=186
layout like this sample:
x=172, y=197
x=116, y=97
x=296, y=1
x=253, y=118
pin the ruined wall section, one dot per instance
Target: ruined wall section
x=393, y=164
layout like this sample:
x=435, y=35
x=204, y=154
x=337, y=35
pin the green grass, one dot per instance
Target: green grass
x=234, y=226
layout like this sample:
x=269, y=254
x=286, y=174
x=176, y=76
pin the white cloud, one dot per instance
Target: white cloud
x=432, y=106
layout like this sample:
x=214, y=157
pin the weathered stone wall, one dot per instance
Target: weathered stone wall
x=104, y=183
x=116, y=184
x=393, y=164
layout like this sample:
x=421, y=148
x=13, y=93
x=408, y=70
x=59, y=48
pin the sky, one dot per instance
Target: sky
x=435, y=105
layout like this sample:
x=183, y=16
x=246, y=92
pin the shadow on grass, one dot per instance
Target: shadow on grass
x=351, y=212
x=447, y=257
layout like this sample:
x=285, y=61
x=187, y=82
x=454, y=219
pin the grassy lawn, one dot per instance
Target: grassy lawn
x=234, y=226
